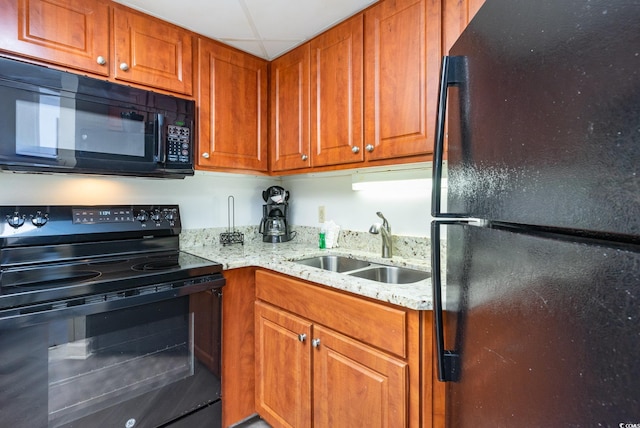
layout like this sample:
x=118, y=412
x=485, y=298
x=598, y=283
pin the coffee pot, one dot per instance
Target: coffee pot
x=275, y=225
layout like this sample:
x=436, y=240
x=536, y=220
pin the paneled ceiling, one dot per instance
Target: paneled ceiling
x=265, y=28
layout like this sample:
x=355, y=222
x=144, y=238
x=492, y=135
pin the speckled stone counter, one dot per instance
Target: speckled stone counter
x=279, y=258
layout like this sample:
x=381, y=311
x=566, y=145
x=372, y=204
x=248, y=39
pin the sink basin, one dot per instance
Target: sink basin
x=391, y=274
x=334, y=263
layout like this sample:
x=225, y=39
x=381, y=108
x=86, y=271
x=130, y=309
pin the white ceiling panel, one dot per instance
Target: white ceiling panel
x=263, y=28
x=287, y=19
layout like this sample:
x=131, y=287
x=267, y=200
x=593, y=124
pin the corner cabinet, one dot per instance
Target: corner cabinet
x=78, y=37
x=402, y=51
x=316, y=101
x=326, y=358
x=232, y=100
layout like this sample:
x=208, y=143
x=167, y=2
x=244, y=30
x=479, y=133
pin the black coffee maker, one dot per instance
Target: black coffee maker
x=275, y=224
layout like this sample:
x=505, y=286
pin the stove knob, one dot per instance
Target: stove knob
x=142, y=216
x=16, y=220
x=40, y=219
x=156, y=216
x=170, y=215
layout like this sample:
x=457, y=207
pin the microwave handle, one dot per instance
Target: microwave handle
x=161, y=143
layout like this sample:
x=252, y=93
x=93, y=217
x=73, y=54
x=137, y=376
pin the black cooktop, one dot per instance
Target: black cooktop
x=27, y=285
x=51, y=253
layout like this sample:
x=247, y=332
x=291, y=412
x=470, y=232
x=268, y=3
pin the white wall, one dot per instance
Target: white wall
x=407, y=210
x=203, y=198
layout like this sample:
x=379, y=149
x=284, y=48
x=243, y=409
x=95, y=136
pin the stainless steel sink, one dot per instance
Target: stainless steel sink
x=391, y=274
x=366, y=270
x=334, y=263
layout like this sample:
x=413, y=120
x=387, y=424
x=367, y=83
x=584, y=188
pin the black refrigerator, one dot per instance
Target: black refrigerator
x=536, y=206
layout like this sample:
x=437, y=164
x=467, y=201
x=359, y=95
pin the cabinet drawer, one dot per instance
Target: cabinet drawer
x=375, y=324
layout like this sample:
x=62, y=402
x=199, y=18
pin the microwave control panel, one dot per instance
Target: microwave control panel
x=178, y=144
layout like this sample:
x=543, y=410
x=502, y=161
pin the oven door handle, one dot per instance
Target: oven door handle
x=95, y=304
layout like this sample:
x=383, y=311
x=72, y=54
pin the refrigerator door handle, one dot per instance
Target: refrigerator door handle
x=447, y=361
x=453, y=71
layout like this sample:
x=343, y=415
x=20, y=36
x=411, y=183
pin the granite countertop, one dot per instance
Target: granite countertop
x=278, y=258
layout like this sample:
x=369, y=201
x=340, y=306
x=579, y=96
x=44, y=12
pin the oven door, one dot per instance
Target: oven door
x=140, y=366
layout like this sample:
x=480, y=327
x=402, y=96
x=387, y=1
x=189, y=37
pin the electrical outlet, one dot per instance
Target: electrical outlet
x=321, y=214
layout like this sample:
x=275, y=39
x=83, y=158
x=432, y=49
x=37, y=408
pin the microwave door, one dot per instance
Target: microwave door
x=106, y=132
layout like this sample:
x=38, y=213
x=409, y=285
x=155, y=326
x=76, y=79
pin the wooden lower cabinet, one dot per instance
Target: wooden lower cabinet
x=356, y=385
x=325, y=358
x=353, y=384
x=238, y=345
x=283, y=367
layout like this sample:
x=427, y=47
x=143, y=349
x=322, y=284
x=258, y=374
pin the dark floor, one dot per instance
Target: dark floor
x=254, y=422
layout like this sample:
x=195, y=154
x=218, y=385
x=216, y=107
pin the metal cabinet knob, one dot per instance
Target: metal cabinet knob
x=369, y=148
x=355, y=149
x=101, y=60
x=305, y=157
x=302, y=337
x=205, y=155
x=124, y=66
x=315, y=343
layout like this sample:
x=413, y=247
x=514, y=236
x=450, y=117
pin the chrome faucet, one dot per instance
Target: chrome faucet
x=385, y=230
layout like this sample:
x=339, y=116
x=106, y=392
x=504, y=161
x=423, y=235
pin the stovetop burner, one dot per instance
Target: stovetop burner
x=154, y=265
x=65, y=252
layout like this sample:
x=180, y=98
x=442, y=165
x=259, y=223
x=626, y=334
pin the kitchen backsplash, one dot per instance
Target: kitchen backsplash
x=411, y=247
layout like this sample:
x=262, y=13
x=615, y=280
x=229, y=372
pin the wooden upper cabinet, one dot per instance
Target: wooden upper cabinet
x=232, y=100
x=336, y=94
x=402, y=51
x=289, y=137
x=69, y=33
x=151, y=52
x=456, y=14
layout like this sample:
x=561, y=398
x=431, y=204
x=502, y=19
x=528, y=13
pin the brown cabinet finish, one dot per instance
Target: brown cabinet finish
x=232, y=99
x=336, y=94
x=283, y=367
x=289, y=133
x=151, y=52
x=456, y=14
x=365, y=357
x=68, y=33
x=238, y=341
x=355, y=385
x=402, y=52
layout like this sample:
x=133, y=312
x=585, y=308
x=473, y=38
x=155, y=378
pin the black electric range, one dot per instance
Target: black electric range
x=57, y=253
x=106, y=318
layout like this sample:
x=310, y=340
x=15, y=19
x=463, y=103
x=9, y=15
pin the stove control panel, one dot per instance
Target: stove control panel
x=17, y=219
x=42, y=221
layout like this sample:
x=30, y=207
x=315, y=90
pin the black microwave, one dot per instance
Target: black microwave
x=55, y=121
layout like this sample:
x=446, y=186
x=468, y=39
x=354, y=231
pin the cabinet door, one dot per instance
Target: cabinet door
x=233, y=109
x=152, y=52
x=456, y=14
x=289, y=137
x=70, y=33
x=283, y=368
x=402, y=47
x=355, y=385
x=336, y=94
